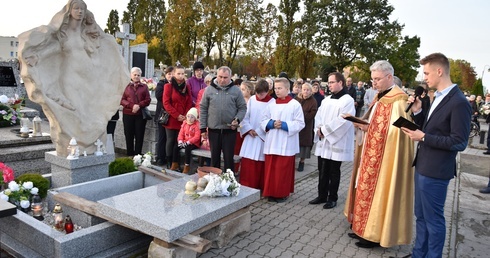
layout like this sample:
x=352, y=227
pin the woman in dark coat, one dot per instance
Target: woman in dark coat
x=135, y=97
x=177, y=101
x=309, y=105
x=162, y=136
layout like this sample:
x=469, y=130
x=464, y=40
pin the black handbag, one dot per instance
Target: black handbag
x=146, y=114
x=163, y=119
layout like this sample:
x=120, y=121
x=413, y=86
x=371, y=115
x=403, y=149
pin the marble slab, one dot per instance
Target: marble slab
x=7, y=209
x=164, y=211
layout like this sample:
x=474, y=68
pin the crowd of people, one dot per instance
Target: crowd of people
x=271, y=121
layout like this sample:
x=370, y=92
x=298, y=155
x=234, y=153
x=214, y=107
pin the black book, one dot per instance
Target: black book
x=403, y=122
x=354, y=119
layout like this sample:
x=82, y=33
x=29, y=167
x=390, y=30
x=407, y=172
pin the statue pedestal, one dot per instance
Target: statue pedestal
x=66, y=172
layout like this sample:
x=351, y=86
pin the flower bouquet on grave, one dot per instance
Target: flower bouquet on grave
x=144, y=160
x=19, y=194
x=9, y=110
x=149, y=83
x=224, y=184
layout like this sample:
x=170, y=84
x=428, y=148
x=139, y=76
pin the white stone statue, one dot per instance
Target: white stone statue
x=75, y=72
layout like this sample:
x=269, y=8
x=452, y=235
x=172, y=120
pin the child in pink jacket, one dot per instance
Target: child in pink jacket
x=189, y=137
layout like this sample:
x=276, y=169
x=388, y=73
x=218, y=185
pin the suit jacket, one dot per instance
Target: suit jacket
x=446, y=132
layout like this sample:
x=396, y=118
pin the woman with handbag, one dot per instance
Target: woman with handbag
x=176, y=101
x=135, y=98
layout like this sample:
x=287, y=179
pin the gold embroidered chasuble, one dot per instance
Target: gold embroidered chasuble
x=379, y=203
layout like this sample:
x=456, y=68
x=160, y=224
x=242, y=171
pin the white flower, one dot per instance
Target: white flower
x=4, y=197
x=137, y=160
x=146, y=162
x=25, y=204
x=34, y=190
x=14, y=186
x=4, y=99
x=28, y=185
x=7, y=192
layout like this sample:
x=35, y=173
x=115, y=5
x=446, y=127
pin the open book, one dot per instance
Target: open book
x=403, y=122
x=354, y=119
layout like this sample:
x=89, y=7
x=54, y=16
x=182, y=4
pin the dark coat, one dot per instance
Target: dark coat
x=159, y=97
x=310, y=107
x=446, y=132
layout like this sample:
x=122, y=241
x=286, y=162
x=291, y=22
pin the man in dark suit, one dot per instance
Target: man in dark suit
x=445, y=131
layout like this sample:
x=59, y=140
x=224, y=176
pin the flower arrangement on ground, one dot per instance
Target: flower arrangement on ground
x=9, y=110
x=6, y=174
x=220, y=185
x=19, y=194
x=149, y=82
x=144, y=160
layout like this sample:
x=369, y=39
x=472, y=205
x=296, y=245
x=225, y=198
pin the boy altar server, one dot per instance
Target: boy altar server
x=282, y=120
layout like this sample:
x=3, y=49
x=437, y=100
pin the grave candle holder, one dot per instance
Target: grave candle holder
x=37, y=207
x=36, y=126
x=58, y=217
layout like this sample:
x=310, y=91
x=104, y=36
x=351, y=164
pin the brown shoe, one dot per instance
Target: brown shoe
x=175, y=166
x=187, y=169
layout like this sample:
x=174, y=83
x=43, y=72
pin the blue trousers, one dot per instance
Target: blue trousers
x=430, y=196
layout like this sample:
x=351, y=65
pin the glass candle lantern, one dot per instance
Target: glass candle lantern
x=36, y=126
x=37, y=207
x=68, y=224
x=58, y=217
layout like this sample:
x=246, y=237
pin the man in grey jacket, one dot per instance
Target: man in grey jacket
x=222, y=109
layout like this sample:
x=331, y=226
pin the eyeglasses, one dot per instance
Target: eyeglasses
x=332, y=82
x=207, y=81
x=376, y=80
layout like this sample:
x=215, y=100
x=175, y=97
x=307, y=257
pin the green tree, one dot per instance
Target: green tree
x=285, y=54
x=478, y=88
x=307, y=30
x=129, y=16
x=150, y=17
x=404, y=58
x=462, y=74
x=354, y=29
x=179, y=30
x=265, y=47
x=112, y=23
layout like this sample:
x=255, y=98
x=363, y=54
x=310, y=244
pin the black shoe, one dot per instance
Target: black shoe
x=354, y=235
x=271, y=199
x=363, y=243
x=485, y=190
x=301, y=167
x=487, y=152
x=329, y=205
x=278, y=200
x=318, y=200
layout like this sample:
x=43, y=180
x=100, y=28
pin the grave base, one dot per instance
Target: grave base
x=66, y=172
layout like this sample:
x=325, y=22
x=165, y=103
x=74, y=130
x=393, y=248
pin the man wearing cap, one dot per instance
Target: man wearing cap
x=196, y=82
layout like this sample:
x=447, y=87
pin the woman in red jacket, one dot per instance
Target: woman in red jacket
x=135, y=97
x=176, y=101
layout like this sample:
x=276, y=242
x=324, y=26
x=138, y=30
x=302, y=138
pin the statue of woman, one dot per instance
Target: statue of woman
x=75, y=71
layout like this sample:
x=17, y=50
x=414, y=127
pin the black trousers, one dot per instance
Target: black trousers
x=161, y=143
x=222, y=141
x=188, y=155
x=134, y=132
x=329, y=179
x=488, y=137
x=171, y=150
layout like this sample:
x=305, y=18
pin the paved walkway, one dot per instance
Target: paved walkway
x=298, y=229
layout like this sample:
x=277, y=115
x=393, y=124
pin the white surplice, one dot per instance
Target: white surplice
x=338, y=143
x=253, y=147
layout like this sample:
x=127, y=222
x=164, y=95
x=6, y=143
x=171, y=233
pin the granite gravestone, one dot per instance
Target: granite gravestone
x=10, y=80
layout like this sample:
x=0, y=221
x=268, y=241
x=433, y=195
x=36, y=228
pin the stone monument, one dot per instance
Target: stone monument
x=75, y=72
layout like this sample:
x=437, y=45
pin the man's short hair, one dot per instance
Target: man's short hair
x=282, y=80
x=261, y=86
x=383, y=66
x=338, y=77
x=225, y=68
x=436, y=58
